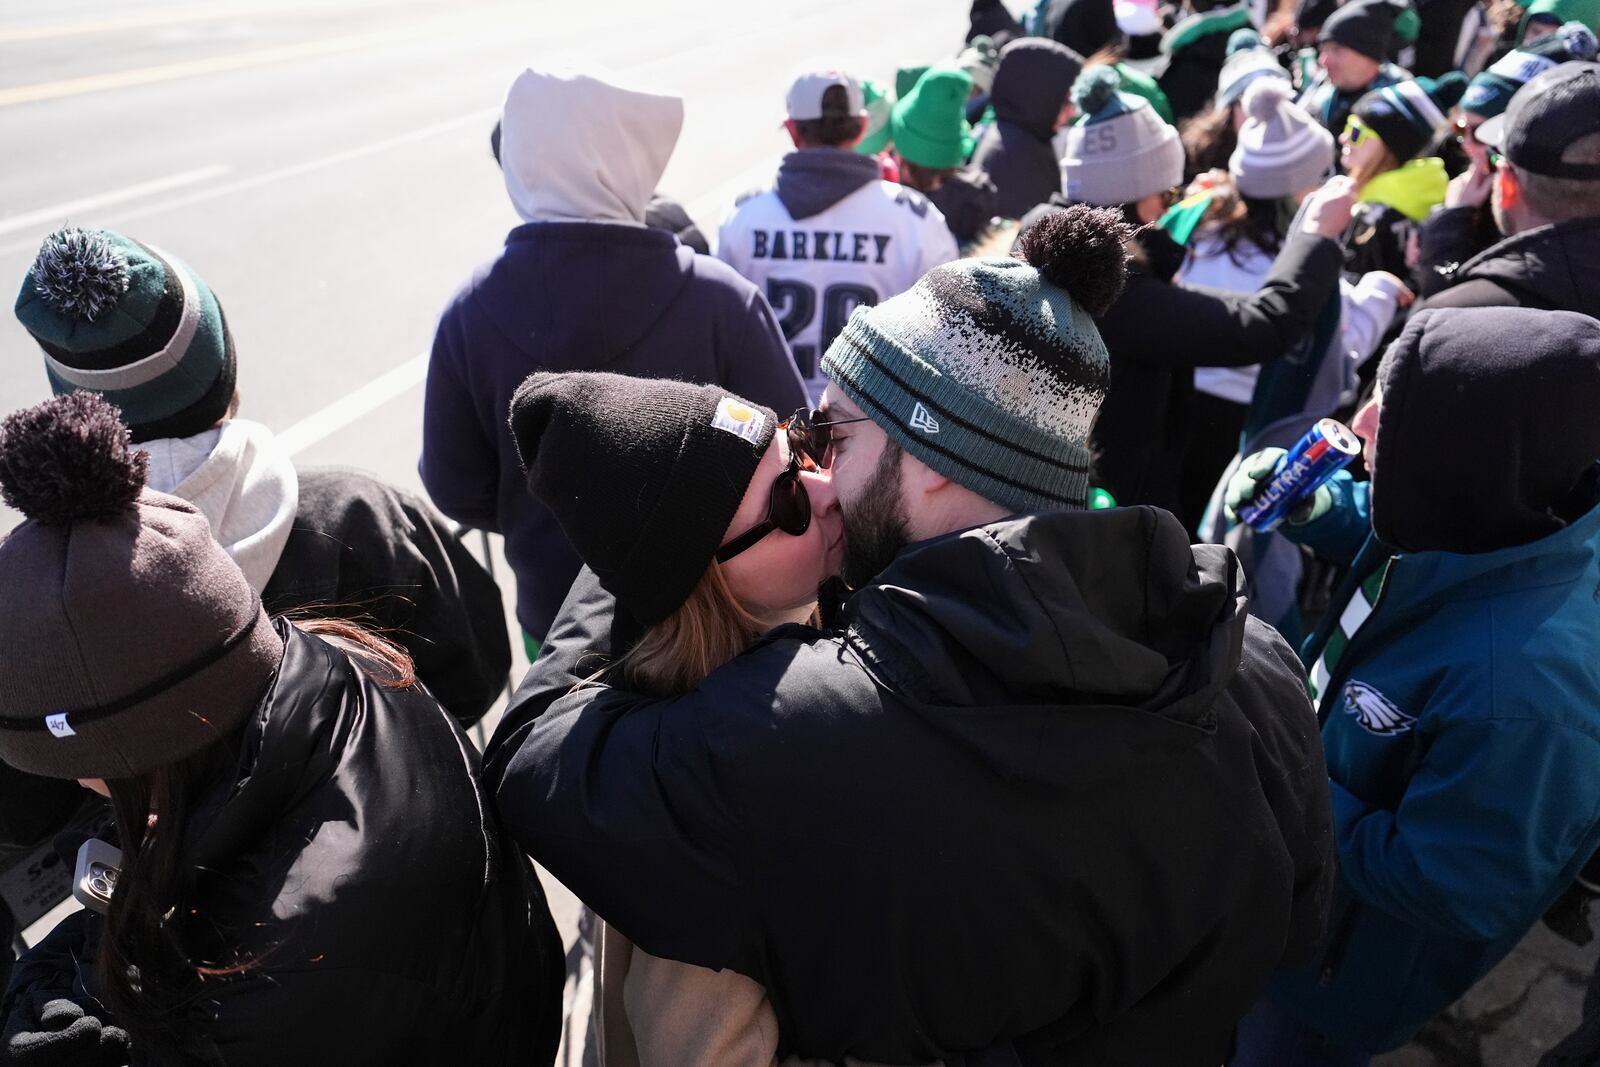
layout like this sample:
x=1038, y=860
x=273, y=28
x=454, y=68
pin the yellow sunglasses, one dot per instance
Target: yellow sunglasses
x=1357, y=130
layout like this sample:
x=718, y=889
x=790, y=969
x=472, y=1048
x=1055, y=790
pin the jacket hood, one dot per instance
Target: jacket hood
x=1525, y=383
x=1034, y=80
x=1551, y=266
x=812, y=180
x=242, y=481
x=624, y=277
x=575, y=148
x=1096, y=612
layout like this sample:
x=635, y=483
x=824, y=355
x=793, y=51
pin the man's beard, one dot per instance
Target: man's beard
x=875, y=522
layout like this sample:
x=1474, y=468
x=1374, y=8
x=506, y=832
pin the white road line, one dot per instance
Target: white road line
x=51, y=216
x=481, y=116
x=352, y=406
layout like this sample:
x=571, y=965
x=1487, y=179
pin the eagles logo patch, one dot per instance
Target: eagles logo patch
x=1376, y=713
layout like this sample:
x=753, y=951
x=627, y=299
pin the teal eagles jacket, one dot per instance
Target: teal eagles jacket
x=1462, y=732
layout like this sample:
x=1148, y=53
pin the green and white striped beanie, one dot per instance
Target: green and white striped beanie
x=990, y=371
x=119, y=318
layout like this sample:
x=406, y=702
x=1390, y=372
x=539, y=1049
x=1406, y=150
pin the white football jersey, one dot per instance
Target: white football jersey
x=867, y=247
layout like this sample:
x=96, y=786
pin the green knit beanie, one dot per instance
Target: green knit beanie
x=991, y=371
x=929, y=124
x=118, y=318
x=906, y=78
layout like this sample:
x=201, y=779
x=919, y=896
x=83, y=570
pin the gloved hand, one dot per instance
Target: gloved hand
x=1255, y=470
x=44, y=1029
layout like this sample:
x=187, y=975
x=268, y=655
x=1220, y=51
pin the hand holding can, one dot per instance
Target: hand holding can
x=1327, y=448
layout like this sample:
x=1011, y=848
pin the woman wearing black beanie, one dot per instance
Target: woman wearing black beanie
x=710, y=528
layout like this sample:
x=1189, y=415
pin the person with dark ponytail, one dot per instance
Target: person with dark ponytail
x=309, y=871
x=968, y=813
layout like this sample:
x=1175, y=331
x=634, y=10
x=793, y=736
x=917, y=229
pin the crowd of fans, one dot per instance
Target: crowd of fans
x=953, y=718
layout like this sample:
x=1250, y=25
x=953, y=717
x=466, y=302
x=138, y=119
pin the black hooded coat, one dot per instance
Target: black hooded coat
x=1045, y=782
x=1030, y=88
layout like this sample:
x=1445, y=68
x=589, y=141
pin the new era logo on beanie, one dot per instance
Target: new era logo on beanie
x=990, y=371
x=119, y=318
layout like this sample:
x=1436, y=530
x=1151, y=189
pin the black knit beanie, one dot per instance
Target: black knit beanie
x=1410, y=116
x=1486, y=426
x=1365, y=26
x=643, y=474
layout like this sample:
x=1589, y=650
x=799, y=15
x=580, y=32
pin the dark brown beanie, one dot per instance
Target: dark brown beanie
x=131, y=640
x=643, y=474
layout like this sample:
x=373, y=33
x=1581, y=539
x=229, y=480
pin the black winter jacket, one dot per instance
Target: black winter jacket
x=354, y=856
x=1046, y=782
x=364, y=550
x=1158, y=332
x=1551, y=267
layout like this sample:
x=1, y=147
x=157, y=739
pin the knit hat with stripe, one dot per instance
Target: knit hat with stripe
x=1248, y=59
x=119, y=318
x=1410, y=116
x=1493, y=89
x=1282, y=150
x=1120, y=151
x=990, y=371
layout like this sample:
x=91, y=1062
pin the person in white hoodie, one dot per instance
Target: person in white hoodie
x=582, y=284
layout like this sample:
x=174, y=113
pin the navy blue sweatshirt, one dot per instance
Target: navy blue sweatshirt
x=578, y=296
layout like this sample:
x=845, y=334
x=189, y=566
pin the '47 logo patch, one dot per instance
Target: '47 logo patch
x=1376, y=713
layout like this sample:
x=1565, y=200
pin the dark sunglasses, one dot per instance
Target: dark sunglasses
x=788, y=509
x=811, y=437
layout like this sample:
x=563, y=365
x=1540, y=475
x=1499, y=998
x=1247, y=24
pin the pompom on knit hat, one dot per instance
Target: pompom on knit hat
x=119, y=318
x=131, y=640
x=1364, y=26
x=991, y=371
x=1119, y=150
x=644, y=475
x=929, y=124
x=1248, y=60
x=1491, y=90
x=1282, y=150
x=1410, y=115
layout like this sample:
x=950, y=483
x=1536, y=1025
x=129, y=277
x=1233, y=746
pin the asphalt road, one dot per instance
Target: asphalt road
x=325, y=165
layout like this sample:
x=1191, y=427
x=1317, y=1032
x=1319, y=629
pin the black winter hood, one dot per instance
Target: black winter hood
x=1486, y=429
x=1033, y=81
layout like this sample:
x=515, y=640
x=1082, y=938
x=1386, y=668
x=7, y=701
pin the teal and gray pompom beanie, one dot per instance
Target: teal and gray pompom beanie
x=118, y=318
x=991, y=371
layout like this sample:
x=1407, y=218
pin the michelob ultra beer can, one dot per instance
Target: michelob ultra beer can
x=1325, y=449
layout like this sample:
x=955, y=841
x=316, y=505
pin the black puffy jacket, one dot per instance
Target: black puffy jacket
x=1047, y=782
x=1550, y=267
x=354, y=858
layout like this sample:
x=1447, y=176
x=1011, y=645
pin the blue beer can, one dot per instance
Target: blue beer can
x=1327, y=448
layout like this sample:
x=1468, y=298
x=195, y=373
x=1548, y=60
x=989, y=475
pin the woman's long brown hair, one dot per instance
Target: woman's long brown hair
x=145, y=972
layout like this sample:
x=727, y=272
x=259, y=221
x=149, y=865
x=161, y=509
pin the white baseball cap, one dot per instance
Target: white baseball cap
x=805, y=95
